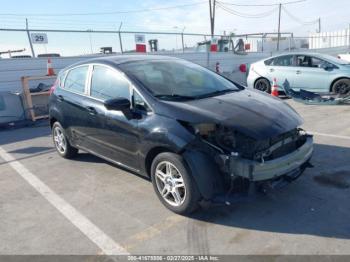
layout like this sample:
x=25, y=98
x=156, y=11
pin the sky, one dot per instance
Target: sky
x=192, y=17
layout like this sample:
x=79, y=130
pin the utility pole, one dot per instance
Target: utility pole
x=279, y=26
x=212, y=16
x=29, y=39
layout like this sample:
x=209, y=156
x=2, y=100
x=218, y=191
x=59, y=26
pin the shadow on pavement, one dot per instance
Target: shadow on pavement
x=306, y=206
x=9, y=136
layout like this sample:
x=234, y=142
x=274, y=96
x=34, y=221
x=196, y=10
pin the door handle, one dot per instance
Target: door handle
x=298, y=72
x=272, y=70
x=60, y=98
x=91, y=110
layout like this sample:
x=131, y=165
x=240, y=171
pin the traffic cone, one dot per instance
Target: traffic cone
x=274, y=89
x=50, y=71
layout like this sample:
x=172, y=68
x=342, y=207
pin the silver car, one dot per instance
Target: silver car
x=310, y=71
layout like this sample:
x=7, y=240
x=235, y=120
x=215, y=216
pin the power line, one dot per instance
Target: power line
x=272, y=4
x=299, y=20
x=245, y=15
x=105, y=13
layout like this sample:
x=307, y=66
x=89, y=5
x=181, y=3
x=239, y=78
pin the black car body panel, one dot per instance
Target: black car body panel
x=251, y=112
x=133, y=141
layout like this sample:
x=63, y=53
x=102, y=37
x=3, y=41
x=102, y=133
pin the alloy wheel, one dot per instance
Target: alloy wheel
x=60, y=140
x=262, y=86
x=342, y=88
x=170, y=183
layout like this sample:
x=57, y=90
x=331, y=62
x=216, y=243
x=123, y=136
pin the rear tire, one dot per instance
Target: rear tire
x=263, y=84
x=60, y=140
x=173, y=183
x=341, y=87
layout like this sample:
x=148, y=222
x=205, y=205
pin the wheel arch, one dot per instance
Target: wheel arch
x=151, y=154
x=52, y=121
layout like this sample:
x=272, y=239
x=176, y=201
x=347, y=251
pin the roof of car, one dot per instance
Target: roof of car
x=298, y=53
x=120, y=59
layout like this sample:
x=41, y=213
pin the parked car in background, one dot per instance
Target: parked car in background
x=345, y=57
x=310, y=71
x=195, y=134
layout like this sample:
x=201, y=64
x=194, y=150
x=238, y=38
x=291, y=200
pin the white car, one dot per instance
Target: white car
x=345, y=57
x=310, y=71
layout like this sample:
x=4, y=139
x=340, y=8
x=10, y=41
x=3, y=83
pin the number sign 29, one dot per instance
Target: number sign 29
x=38, y=38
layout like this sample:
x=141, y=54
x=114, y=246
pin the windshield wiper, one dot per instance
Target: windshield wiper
x=174, y=97
x=218, y=92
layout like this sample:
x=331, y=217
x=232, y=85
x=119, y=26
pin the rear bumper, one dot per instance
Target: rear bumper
x=288, y=165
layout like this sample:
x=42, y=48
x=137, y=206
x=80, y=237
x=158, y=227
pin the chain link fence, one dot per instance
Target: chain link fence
x=87, y=42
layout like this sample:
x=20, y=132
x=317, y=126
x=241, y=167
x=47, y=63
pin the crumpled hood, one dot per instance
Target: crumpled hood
x=251, y=112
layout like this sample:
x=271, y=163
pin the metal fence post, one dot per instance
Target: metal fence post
x=182, y=40
x=349, y=35
x=30, y=41
x=120, y=38
x=289, y=43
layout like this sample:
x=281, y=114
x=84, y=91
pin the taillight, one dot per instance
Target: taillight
x=243, y=68
x=52, y=89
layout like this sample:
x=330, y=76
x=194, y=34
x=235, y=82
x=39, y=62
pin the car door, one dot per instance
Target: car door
x=313, y=74
x=111, y=134
x=70, y=97
x=281, y=68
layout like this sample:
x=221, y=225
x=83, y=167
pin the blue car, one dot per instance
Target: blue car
x=310, y=71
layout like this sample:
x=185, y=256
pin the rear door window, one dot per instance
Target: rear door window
x=304, y=61
x=107, y=83
x=286, y=60
x=76, y=78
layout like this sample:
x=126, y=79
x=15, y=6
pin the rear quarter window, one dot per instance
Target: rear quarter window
x=268, y=61
x=76, y=78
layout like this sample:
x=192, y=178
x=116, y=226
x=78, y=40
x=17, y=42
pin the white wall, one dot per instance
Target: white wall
x=329, y=39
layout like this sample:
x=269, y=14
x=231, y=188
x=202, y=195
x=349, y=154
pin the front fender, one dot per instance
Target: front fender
x=205, y=172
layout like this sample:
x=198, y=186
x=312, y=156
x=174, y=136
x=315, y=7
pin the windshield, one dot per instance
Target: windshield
x=175, y=80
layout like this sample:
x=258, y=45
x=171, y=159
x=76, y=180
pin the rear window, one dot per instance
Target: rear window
x=286, y=60
x=75, y=80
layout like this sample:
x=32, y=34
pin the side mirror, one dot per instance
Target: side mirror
x=118, y=104
x=327, y=67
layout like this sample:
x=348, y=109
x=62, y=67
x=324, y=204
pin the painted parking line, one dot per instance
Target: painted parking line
x=329, y=135
x=96, y=235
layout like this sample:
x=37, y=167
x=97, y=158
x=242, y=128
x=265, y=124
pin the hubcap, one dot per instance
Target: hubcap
x=60, y=140
x=170, y=183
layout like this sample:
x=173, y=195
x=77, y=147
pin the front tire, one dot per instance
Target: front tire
x=60, y=140
x=341, y=87
x=174, y=184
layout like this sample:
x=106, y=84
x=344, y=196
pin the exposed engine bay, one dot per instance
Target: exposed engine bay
x=231, y=141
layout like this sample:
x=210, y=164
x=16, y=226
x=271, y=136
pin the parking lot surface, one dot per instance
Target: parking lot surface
x=50, y=205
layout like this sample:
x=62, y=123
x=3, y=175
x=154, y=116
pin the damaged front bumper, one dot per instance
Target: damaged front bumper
x=273, y=169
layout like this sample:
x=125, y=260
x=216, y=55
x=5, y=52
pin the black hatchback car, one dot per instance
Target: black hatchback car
x=196, y=135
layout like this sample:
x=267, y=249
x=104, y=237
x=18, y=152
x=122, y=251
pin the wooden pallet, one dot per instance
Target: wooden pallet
x=29, y=106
